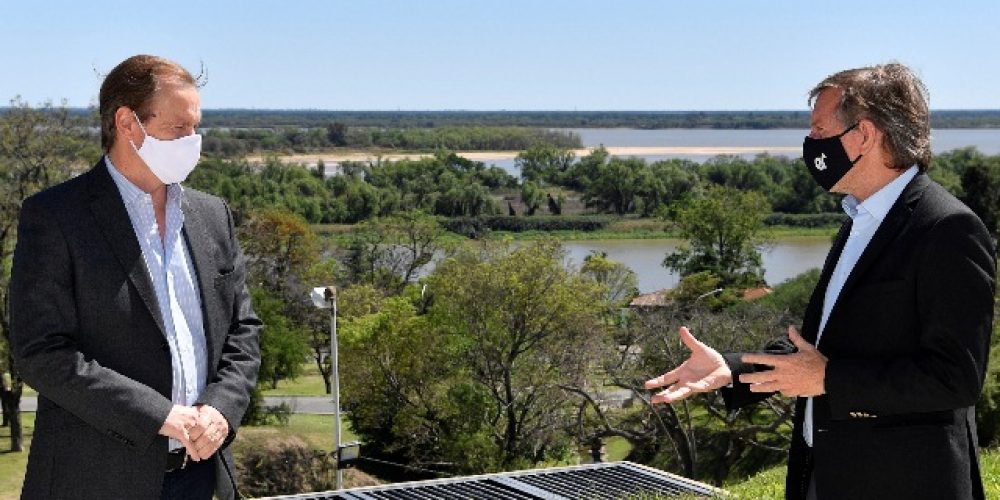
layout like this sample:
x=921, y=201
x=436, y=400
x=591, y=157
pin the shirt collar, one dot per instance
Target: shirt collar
x=132, y=194
x=878, y=204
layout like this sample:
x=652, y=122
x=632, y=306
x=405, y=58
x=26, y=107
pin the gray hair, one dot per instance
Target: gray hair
x=893, y=98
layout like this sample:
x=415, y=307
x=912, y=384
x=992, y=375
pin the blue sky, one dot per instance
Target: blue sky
x=503, y=54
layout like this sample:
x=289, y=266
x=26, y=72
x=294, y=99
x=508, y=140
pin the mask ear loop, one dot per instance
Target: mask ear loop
x=838, y=136
x=144, y=134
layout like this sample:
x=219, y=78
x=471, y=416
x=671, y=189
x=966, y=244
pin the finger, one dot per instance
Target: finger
x=689, y=340
x=205, y=448
x=763, y=359
x=797, y=339
x=672, y=394
x=665, y=379
x=758, y=377
x=189, y=446
x=765, y=387
x=196, y=431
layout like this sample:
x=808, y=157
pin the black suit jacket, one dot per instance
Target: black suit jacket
x=87, y=334
x=907, y=343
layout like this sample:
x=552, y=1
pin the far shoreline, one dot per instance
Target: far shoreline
x=336, y=157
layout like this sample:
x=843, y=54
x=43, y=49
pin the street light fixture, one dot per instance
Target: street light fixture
x=326, y=298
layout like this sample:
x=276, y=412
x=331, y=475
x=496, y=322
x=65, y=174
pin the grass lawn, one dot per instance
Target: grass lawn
x=310, y=383
x=771, y=483
x=316, y=430
x=12, y=465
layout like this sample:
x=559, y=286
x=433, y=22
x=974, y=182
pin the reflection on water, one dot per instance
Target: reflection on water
x=785, y=259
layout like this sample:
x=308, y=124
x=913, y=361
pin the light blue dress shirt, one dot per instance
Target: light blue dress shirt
x=867, y=216
x=169, y=265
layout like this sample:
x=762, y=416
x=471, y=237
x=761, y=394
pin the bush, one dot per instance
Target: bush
x=475, y=227
x=282, y=466
x=805, y=220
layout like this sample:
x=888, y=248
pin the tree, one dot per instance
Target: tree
x=697, y=437
x=39, y=147
x=390, y=252
x=478, y=381
x=283, y=264
x=531, y=197
x=531, y=328
x=616, y=185
x=619, y=282
x=981, y=184
x=723, y=229
x=336, y=133
x=543, y=162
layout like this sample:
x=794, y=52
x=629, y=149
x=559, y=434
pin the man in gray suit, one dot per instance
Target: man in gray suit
x=130, y=314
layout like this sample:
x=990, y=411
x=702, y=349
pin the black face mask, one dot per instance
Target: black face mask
x=826, y=159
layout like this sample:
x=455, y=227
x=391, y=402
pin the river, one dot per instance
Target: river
x=785, y=258
x=777, y=142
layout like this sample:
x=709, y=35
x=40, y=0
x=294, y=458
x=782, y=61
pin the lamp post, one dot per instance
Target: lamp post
x=326, y=298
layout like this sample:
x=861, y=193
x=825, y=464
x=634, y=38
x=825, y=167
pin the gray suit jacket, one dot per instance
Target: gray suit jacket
x=87, y=334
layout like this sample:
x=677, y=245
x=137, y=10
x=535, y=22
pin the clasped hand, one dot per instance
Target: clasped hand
x=797, y=374
x=201, y=429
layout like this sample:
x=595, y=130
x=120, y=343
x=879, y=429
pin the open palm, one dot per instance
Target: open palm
x=705, y=370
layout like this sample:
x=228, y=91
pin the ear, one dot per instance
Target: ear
x=871, y=136
x=126, y=127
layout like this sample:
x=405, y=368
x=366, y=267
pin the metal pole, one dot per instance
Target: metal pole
x=335, y=375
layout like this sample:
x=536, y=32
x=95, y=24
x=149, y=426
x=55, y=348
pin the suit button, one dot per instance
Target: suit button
x=164, y=346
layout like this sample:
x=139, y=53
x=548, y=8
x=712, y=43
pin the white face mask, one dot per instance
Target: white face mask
x=171, y=161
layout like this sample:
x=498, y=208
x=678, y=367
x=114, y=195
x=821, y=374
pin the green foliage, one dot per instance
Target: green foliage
x=475, y=227
x=988, y=406
x=283, y=345
x=723, y=229
x=226, y=142
x=981, y=184
x=476, y=381
x=792, y=295
x=544, y=162
x=706, y=289
x=244, y=118
x=805, y=220
x=532, y=327
x=39, y=147
x=531, y=197
x=390, y=252
x=619, y=282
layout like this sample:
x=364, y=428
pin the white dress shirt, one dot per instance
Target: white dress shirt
x=169, y=265
x=866, y=218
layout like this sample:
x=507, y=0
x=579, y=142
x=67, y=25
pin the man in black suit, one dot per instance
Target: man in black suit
x=130, y=314
x=894, y=342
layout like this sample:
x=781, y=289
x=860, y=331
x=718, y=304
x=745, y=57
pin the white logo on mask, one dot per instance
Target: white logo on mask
x=820, y=163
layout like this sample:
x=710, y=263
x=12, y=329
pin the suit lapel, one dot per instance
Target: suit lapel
x=112, y=218
x=203, y=256
x=886, y=233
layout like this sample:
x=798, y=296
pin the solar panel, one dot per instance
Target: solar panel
x=591, y=481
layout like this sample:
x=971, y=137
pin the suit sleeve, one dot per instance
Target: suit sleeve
x=236, y=375
x=954, y=303
x=44, y=331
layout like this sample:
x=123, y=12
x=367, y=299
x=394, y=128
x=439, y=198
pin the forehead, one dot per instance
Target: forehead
x=177, y=102
x=825, y=108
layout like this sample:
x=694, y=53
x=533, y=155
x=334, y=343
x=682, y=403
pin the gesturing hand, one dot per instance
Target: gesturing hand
x=209, y=433
x=800, y=374
x=704, y=371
